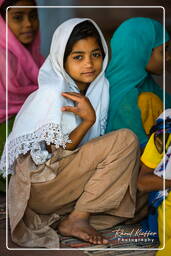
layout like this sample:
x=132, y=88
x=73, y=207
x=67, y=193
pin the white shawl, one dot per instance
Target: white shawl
x=41, y=119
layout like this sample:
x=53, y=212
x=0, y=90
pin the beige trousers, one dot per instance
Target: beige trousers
x=100, y=178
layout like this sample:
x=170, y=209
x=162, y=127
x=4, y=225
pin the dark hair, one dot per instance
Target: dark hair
x=81, y=31
x=8, y=3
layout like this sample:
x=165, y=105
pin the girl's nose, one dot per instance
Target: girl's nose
x=27, y=21
x=89, y=62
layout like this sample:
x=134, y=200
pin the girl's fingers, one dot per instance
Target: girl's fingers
x=69, y=109
x=73, y=93
x=72, y=96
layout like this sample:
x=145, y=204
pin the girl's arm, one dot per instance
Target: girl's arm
x=148, y=181
x=85, y=111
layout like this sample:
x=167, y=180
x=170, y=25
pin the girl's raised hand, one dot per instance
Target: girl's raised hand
x=83, y=107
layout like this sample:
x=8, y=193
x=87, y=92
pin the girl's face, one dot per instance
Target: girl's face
x=23, y=22
x=84, y=62
x=155, y=64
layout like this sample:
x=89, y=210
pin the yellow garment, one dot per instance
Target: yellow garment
x=151, y=107
x=167, y=250
x=151, y=157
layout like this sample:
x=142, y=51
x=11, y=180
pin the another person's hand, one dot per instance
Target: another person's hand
x=83, y=107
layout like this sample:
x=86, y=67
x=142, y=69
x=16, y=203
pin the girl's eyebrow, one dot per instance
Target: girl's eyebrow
x=97, y=49
x=82, y=52
x=17, y=12
x=14, y=11
x=77, y=52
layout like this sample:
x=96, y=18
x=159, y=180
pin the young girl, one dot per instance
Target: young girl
x=24, y=60
x=58, y=168
x=151, y=179
x=135, y=98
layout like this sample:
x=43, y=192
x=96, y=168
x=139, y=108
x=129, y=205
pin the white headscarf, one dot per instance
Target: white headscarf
x=40, y=118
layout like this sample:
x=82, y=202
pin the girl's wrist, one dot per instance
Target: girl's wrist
x=89, y=122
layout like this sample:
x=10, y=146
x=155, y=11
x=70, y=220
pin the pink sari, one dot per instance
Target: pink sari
x=23, y=68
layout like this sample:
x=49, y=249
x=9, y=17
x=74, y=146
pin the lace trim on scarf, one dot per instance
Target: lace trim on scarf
x=39, y=154
x=49, y=133
x=103, y=122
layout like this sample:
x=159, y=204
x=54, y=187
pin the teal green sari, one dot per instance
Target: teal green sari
x=131, y=46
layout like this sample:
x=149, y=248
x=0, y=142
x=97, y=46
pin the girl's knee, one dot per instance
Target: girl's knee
x=127, y=137
x=129, y=134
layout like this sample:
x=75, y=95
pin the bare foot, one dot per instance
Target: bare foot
x=79, y=227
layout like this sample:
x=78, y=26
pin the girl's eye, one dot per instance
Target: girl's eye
x=33, y=15
x=78, y=57
x=18, y=17
x=97, y=54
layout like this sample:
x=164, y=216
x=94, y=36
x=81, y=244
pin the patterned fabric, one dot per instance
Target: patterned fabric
x=161, y=133
x=163, y=169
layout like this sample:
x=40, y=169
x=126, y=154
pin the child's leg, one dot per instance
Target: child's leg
x=167, y=250
x=100, y=177
x=111, y=188
x=151, y=107
x=87, y=175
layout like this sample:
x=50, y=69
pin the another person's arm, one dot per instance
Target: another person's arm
x=148, y=181
x=151, y=157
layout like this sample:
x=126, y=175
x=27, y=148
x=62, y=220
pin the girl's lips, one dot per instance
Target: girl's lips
x=88, y=73
x=29, y=33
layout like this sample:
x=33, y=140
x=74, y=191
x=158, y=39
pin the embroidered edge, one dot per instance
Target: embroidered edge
x=50, y=133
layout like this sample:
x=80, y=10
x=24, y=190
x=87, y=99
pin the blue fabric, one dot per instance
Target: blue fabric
x=154, y=201
x=145, y=228
x=131, y=46
x=159, y=126
x=151, y=222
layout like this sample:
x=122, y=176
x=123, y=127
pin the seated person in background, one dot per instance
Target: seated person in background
x=24, y=61
x=154, y=169
x=135, y=98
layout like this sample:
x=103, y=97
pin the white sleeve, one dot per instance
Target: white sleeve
x=39, y=154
